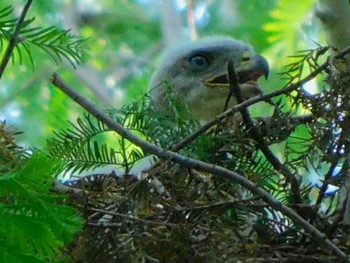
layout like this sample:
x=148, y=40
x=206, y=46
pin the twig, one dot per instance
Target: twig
x=290, y=258
x=133, y=218
x=15, y=39
x=258, y=137
x=232, y=204
x=227, y=101
x=325, y=183
x=104, y=225
x=198, y=165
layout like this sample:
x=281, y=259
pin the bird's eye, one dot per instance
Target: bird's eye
x=199, y=62
x=245, y=59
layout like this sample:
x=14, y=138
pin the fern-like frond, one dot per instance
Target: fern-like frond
x=29, y=211
x=6, y=24
x=87, y=145
x=305, y=62
x=57, y=43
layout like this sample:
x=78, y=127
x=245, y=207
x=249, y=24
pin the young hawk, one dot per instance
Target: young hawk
x=195, y=75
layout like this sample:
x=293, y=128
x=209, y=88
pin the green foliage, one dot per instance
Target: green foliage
x=22, y=94
x=34, y=224
x=171, y=214
x=6, y=23
x=82, y=147
x=57, y=43
x=89, y=143
x=285, y=27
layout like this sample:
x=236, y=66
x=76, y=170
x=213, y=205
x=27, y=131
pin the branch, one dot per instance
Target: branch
x=325, y=184
x=198, y=165
x=258, y=137
x=15, y=39
x=232, y=204
x=131, y=217
x=290, y=258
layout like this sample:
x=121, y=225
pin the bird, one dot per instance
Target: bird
x=194, y=75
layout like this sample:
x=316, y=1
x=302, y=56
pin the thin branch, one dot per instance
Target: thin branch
x=104, y=225
x=198, y=165
x=133, y=218
x=290, y=258
x=325, y=183
x=15, y=38
x=232, y=204
x=258, y=137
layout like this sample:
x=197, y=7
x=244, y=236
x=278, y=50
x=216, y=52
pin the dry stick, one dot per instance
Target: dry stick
x=134, y=218
x=258, y=137
x=197, y=165
x=15, y=38
x=325, y=184
x=232, y=204
x=289, y=257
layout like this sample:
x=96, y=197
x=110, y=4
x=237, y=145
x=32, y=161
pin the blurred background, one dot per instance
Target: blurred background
x=125, y=40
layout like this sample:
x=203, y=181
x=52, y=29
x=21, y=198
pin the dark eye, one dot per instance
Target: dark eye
x=199, y=62
x=245, y=58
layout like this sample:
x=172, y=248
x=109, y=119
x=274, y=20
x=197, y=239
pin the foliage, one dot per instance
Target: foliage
x=169, y=213
x=34, y=224
x=89, y=143
x=286, y=24
x=57, y=43
x=83, y=140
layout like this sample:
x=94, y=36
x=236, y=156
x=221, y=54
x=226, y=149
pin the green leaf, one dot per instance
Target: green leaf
x=32, y=219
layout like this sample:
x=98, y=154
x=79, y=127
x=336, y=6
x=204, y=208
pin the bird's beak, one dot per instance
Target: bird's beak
x=249, y=71
x=254, y=69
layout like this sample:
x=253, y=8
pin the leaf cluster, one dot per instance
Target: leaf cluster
x=57, y=43
x=170, y=213
x=89, y=143
x=35, y=224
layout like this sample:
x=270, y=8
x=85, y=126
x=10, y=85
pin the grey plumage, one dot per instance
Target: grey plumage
x=195, y=73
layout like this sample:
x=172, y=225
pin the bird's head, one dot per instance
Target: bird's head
x=196, y=73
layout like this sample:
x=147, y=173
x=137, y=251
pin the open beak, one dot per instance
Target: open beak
x=249, y=71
